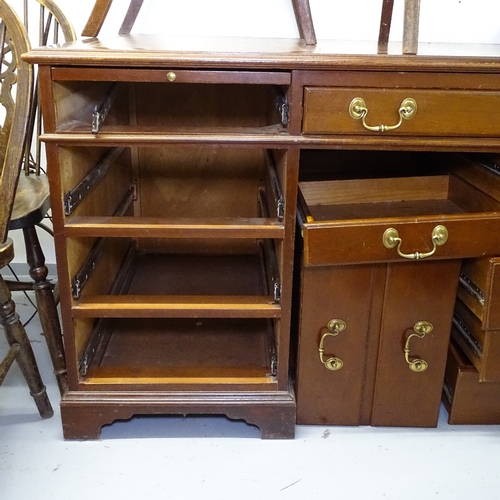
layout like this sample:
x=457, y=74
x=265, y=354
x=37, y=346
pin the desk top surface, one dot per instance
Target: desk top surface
x=265, y=53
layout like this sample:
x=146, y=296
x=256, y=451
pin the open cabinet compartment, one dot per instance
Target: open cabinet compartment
x=129, y=100
x=180, y=354
x=205, y=319
x=112, y=189
x=200, y=235
x=175, y=256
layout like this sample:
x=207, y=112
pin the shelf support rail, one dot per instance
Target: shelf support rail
x=467, y=336
x=273, y=357
x=83, y=275
x=269, y=253
x=75, y=196
x=275, y=186
x=101, y=110
x=99, y=339
x=282, y=106
x=472, y=289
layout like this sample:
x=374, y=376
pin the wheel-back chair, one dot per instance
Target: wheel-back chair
x=16, y=95
x=32, y=202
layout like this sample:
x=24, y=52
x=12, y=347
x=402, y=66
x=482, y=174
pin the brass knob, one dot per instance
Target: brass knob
x=171, y=76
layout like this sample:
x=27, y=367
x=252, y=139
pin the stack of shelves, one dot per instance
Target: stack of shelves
x=174, y=218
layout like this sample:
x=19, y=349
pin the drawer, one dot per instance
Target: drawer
x=467, y=400
x=431, y=112
x=397, y=218
x=481, y=346
x=480, y=290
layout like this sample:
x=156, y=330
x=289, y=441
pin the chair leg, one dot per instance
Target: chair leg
x=47, y=309
x=304, y=21
x=16, y=334
x=8, y=360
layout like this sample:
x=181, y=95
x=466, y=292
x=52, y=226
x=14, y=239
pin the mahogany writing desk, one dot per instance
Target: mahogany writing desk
x=174, y=167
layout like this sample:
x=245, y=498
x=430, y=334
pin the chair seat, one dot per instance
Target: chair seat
x=31, y=203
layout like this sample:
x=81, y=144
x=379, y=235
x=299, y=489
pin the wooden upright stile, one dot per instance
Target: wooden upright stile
x=410, y=27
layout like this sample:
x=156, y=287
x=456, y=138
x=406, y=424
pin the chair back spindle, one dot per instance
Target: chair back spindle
x=16, y=92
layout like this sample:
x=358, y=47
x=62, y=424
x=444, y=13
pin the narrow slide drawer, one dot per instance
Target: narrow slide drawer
x=467, y=400
x=480, y=290
x=481, y=346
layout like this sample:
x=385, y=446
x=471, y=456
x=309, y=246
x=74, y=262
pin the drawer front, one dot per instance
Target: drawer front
x=326, y=396
x=414, y=294
x=363, y=241
x=67, y=74
x=481, y=346
x=436, y=112
x=467, y=400
x=480, y=290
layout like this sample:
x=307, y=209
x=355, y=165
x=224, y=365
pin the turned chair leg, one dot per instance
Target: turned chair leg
x=8, y=360
x=16, y=334
x=304, y=21
x=47, y=309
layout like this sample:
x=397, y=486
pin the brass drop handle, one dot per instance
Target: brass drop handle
x=421, y=329
x=335, y=326
x=358, y=111
x=391, y=239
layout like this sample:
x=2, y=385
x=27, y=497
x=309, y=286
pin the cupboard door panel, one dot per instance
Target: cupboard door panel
x=327, y=396
x=417, y=291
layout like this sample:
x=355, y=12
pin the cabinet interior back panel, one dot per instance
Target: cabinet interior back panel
x=198, y=275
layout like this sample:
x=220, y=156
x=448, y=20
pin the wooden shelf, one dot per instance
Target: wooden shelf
x=174, y=227
x=182, y=351
x=167, y=306
x=164, y=285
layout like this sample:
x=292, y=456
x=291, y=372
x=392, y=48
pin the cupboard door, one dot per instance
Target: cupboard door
x=415, y=292
x=326, y=395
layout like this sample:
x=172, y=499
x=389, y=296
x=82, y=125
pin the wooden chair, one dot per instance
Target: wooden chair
x=98, y=15
x=32, y=202
x=16, y=92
